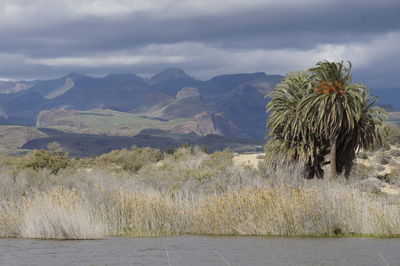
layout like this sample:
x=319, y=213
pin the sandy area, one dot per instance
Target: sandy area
x=248, y=159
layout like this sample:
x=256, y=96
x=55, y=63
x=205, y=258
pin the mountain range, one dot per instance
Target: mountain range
x=227, y=105
x=92, y=115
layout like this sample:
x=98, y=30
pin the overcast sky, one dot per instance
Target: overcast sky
x=50, y=38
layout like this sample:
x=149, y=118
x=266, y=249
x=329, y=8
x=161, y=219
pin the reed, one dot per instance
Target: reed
x=188, y=194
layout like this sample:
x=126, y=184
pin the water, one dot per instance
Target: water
x=202, y=250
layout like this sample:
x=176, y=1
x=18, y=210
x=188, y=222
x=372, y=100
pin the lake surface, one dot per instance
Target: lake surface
x=202, y=250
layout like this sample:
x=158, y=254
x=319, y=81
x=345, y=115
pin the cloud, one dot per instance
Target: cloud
x=45, y=38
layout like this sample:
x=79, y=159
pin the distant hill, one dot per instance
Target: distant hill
x=124, y=104
x=12, y=138
x=84, y=145
x=388, y=96
x=228, y=105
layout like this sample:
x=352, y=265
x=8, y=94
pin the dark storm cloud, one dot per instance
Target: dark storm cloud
x=204, y=37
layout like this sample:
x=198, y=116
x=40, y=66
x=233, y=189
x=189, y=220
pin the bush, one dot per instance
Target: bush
x=55, y=147
x=394, y=153
x=362, y=171
x=130, y=160
x=219, y=160
x=362, y=155
x=383, y=159
x=40, y=159
x=393, y=136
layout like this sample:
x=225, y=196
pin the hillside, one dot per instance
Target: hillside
x=12, y=138
x=84, y=145
x=124, y=104
x=103, y=122
x=229, y=105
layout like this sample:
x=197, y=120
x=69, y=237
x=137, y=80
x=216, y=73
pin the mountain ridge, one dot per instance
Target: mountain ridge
x=231, y=105
x=168, y=95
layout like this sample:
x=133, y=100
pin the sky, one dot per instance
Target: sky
x=50, y=38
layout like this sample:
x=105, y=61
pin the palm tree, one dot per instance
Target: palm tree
x=290, y=138
x=334, y=107
x=368, y=133
x=321, y=112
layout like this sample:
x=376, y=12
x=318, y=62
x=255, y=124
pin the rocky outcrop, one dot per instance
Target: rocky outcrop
x=54, y=119
x=207, y=123
x=153, y=101
x=68, y=84
x=187, y=92
x=168, y=74
x=13, y=87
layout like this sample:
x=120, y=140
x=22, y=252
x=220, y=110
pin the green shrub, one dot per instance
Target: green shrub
x=393, y=134
x=170, y=150
x=130, y=160
x=40, y=159
x=219, y=160
x=394, y=176
x=55, y=147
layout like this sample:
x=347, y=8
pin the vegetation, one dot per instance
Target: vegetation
x=131, y=160
x=185, y=192
x=103, y=121
x=319, y=113
x=13, y=137
x=40, y=159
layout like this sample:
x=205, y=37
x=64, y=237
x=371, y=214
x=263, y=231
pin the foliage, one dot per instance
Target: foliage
x=393, y=136
x=54, y=147
x=320, y=112
x=193, y=193
x=39, y=159
x=395, y=153
x=131, y=160
x=383, y=158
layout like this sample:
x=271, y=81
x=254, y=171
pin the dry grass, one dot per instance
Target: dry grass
x=60, y=214
x=188, y=193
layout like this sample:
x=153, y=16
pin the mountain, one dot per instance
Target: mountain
x=13, y=87
x=123, y=109
x=171, y=80
x=168, y=74
x=388, y=96
x=227, y=105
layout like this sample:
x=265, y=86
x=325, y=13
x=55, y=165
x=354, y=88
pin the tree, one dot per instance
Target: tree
x=286, y=128
x=320, y=112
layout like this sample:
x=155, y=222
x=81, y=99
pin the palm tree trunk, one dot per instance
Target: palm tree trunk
x=333, y=141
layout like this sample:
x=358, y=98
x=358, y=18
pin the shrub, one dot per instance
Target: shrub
x=394, y=153
x=393, y=136
x=379, y=167
x=393, y=163
x=130, y=160
x=362, y=171
x=383, y=159
x=219, y=160
x=40, y=159
x=362, y=155
x=55, y=147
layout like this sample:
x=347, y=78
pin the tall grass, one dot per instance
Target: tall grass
x=188, y=193
x=60, y=214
